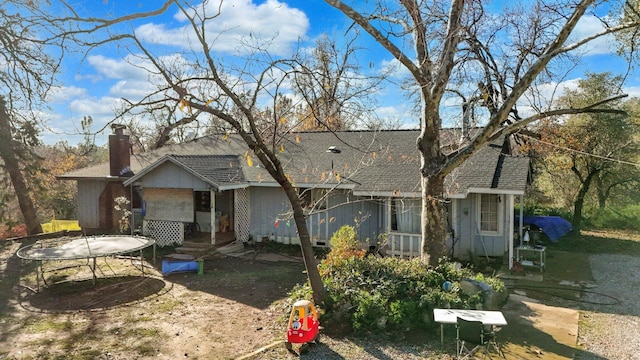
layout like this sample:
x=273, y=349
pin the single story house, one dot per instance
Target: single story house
x=367, y=179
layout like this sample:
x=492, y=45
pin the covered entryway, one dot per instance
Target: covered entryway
x=195, y=198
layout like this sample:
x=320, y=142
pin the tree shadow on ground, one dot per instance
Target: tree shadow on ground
x=12, y=267
x=104, y=294
x=250, y=282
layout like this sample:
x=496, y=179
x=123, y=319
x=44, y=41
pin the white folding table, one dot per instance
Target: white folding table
x=450, y=316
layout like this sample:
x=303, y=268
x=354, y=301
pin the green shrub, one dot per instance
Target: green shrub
x=532, y=208
x=344, y=245
x=609, y=218
x=373, y=293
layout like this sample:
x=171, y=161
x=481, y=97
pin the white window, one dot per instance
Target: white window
x=490, y=214
x=406, y=215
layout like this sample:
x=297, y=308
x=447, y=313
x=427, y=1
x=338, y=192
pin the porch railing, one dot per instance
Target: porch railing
x=403, y=245
x=407, y=245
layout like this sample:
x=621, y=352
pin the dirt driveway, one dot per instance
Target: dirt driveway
x=228, y=311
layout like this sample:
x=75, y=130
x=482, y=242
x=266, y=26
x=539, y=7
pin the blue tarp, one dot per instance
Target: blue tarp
x=553, y=226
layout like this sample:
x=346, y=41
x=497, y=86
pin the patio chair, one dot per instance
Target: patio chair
x=472, y=336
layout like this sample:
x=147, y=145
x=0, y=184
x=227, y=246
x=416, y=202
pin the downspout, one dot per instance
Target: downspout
x=455, y=226
x=133, y=215
x=388, y=218
x=212, y=204
x=521, y=215
x=510, y=235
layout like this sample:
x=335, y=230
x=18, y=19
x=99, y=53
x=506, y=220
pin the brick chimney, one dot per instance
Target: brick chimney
x=119, y=152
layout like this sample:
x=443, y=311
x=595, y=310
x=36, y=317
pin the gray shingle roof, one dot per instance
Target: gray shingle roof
x=217, y=169
x=371, y=163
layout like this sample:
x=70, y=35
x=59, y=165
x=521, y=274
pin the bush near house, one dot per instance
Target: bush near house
x=369, y=293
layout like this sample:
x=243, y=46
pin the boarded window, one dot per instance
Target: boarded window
x=169, y=204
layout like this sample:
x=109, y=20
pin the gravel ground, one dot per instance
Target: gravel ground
x=609, y=322
x=612, y=331
x=357, y=349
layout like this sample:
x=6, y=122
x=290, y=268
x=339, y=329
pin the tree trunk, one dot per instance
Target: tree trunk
x=579, y=202
x=12, y=166
x=602, y=194
x=317, y=286
x=434, y=231
x=432, y=163
x=577, y=209
x=308, y=256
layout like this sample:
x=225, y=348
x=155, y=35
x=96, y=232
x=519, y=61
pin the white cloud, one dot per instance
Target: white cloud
x=131, y=89
x=130, y=67
x=271, y=22
x=133, y=75
x=590, y=25
x=94, y=107
x=388, y=111
x=552, y=91
x=632, y=91
x=64, y=94
x=394, y=69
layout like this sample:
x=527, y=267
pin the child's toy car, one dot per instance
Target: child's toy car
x=303, y=325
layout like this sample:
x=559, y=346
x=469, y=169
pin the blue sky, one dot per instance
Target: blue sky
x=92, y=84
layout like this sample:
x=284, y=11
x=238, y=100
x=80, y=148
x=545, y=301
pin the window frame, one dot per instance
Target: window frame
x=313, y=196
x=499, y=216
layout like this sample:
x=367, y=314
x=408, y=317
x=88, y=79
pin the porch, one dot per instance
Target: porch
x=204, y=238
x=171, y=233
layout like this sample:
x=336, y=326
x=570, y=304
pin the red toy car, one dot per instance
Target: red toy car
x=303, y=325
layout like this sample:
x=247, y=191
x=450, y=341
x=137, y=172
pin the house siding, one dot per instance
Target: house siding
x=468, y=237
x=88, y=208
x=345, y=209
x=268, y=214
x=169, y=175
x=271, y=217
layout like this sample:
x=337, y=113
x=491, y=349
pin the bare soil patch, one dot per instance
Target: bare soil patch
x=237, y=306
x=233, y=308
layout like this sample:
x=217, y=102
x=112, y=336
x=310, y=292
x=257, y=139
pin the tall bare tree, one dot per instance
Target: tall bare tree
x=230, y=97
x=337, y=94
x=247, y=93
x=26, y=75
x=10, y=151
x=496, y=55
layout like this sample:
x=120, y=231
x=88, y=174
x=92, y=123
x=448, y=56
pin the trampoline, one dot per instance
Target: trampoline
x=89, y=248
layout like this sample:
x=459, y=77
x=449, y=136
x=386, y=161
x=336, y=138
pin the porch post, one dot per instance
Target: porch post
x=454, y=226
x=521, y=214
x=510, y=204
x=212, y=195
x=388, y=216
x=387, y=225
